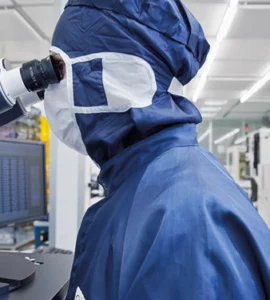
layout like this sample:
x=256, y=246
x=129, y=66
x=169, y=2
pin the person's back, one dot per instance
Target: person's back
x=174, y=224
x=176, y=227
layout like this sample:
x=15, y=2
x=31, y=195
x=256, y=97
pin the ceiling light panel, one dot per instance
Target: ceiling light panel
x=216, y=102
x=223, y=30
x=256, y=87
x=208, y=115
x=209, y=109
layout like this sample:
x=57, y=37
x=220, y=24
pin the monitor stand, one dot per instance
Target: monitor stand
x=16, y=270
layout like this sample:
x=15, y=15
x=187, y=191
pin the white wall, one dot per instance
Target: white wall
x=66, y=194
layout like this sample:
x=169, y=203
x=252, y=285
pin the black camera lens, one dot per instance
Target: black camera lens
x=37, y=75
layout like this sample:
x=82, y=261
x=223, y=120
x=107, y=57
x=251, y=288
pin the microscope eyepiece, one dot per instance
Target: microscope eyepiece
x=37, y=75
x=24, y=86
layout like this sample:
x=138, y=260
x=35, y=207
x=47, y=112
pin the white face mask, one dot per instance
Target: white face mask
x=105, y=82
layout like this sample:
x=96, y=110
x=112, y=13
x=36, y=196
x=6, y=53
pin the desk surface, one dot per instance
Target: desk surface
x=51, y=279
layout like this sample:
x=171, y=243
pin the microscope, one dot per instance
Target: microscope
x=24, y=86
x=21, y=88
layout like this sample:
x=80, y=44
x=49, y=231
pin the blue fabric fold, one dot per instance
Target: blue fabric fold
x=174, y=224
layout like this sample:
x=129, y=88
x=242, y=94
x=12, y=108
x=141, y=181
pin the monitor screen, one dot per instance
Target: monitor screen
x=22, y=182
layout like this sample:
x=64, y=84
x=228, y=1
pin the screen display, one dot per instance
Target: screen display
x=22, y=182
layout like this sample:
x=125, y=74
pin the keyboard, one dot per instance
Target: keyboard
x=51, y=250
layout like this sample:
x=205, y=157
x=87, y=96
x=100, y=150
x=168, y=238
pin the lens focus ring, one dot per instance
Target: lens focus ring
x=37, y=75
x=32, y=76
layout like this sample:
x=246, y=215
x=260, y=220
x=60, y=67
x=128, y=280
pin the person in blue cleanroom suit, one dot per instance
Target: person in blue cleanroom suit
x=174, y=224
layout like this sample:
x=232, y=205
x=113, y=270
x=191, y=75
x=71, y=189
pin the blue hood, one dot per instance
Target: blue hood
x=165, y=35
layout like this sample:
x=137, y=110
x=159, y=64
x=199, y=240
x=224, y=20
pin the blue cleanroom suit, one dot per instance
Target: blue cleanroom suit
x=174, y=224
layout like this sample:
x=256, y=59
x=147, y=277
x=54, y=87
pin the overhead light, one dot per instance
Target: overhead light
x=210, y=109
x=216, y=103
x=208, y=115
x=227, y=136
x=210, y=59
x=258, y=85
x=240, y=140
x=204, y=135
x=234, y=3
x=222, y=33
x=227, y=20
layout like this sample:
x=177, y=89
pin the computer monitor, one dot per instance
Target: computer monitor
x=22, y=182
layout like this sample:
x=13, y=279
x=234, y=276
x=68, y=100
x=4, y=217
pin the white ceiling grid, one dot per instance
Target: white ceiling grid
x=26, y=28
x=242, y=59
